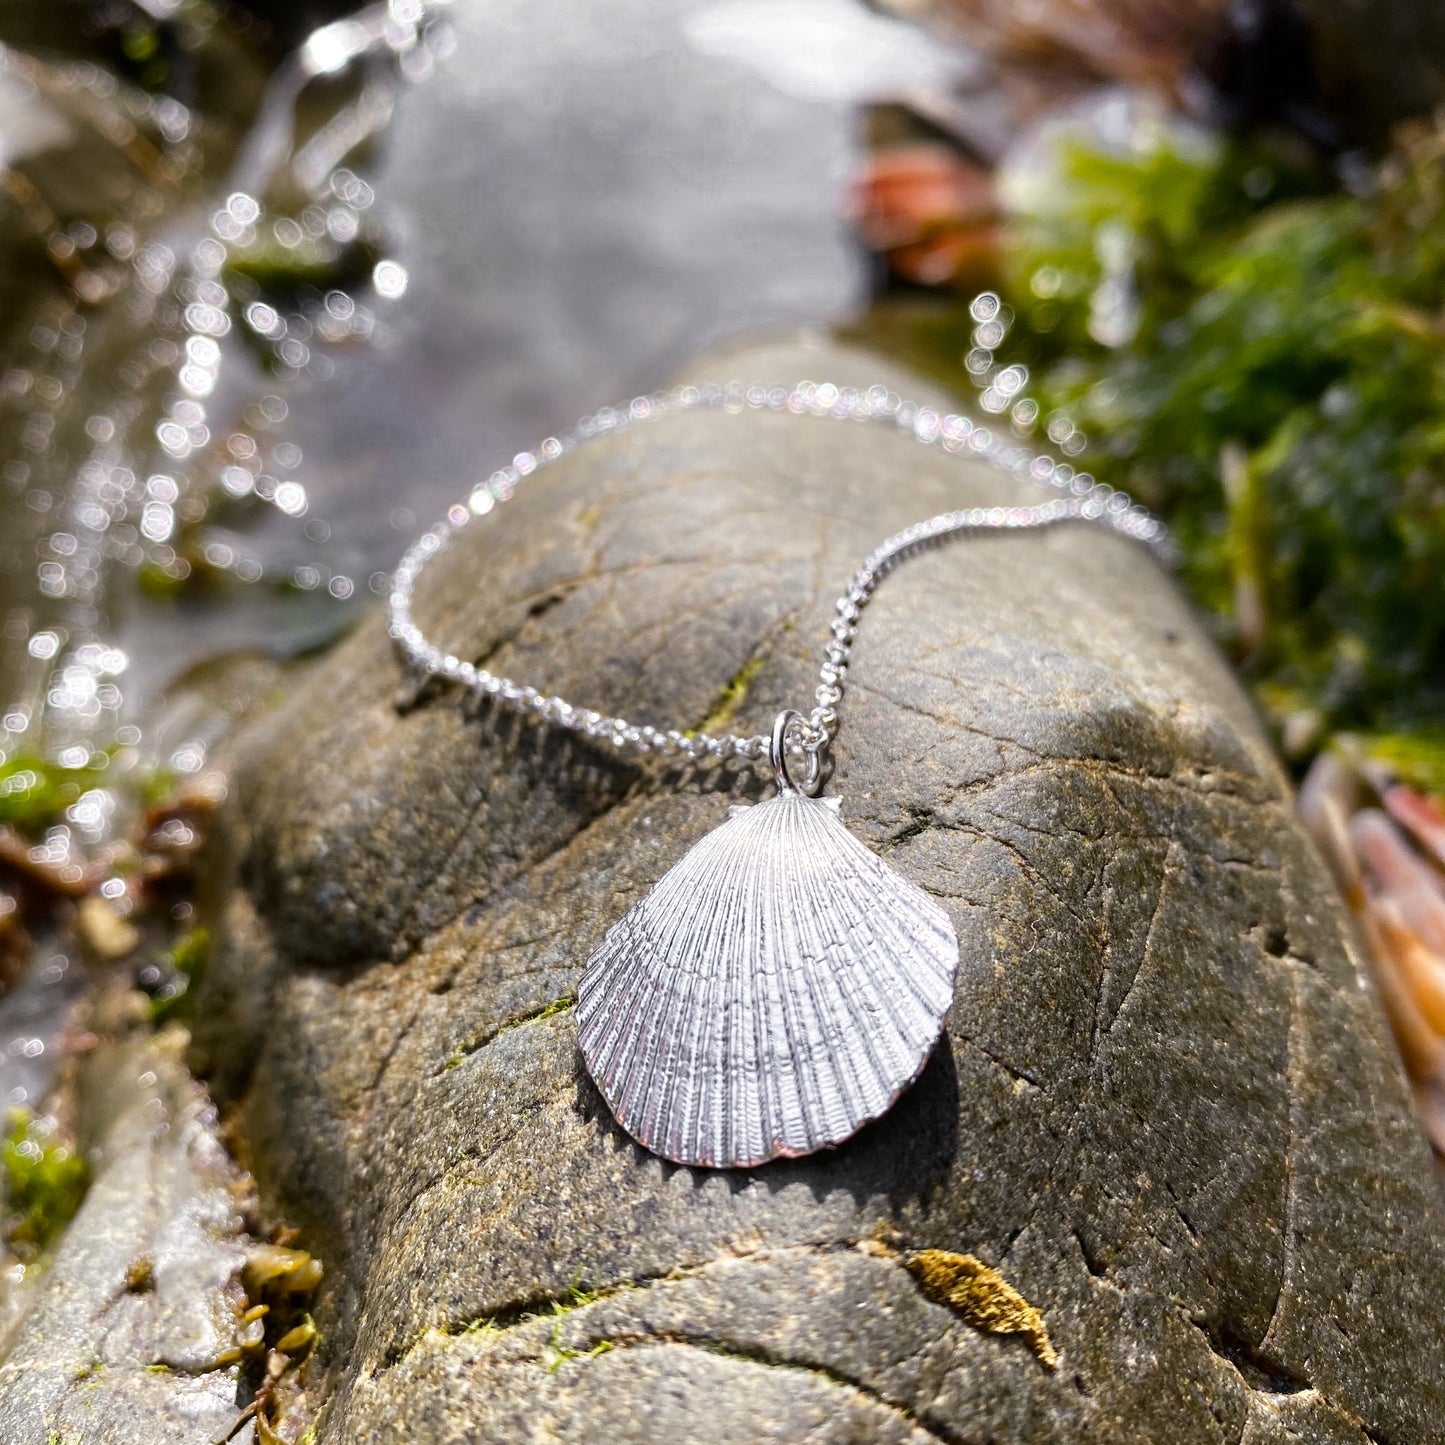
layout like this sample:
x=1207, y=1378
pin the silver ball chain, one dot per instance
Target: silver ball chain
x=1080, y=498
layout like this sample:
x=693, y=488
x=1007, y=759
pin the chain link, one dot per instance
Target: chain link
x=1079, y=498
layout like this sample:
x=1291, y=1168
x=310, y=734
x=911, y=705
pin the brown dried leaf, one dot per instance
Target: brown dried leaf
x=1420, y=1046
x=1420, y=816
x=1395, y=871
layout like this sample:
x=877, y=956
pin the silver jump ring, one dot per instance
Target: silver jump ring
x=785, y=724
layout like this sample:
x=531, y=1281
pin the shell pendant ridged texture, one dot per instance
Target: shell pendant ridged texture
x=777, y=989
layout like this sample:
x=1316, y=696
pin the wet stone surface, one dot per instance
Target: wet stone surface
x=1166, y=1108
x=129, y=1334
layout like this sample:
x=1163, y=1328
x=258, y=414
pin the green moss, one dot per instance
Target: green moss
x=159, y=582
x=1417, y=758
x=558, y=1355
x=282, y=273
x=140, y=43
x=730, y=699
x=191, y=951
x=45, y=1182
x=555, y=1353
x=1280, y=402
x=282, y=270
x=35, y=793
x=576, y=1298
x=556, y=1006
x=155, y=785
x=181, y=966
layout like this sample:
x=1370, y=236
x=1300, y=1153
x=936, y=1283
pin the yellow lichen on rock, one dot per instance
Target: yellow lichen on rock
x=981, y=1296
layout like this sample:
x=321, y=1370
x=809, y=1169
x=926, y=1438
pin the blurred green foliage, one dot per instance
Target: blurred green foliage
x=45, y=1181
x=179, y=968
x=35, y=792
x=1281, y=402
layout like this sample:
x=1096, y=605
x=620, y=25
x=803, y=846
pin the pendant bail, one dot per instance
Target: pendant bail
x=784, y=725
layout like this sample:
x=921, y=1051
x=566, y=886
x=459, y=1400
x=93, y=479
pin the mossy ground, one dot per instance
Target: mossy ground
x=1275, y=391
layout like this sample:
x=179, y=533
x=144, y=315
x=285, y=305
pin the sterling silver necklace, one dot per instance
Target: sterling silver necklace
x=781, y=985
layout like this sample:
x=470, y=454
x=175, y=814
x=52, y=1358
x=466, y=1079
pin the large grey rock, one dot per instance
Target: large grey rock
x=1166, y=1108
x=130, y=1335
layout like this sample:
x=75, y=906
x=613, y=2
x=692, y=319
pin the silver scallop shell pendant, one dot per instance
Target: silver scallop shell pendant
x=777, y=989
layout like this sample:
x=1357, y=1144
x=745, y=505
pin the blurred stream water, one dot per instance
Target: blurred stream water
x=270, y=335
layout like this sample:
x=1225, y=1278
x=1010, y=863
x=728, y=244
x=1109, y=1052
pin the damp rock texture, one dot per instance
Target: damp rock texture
x=129, y=1334
x=1165, y=1115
